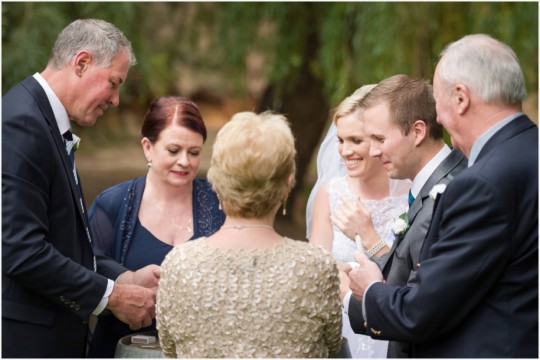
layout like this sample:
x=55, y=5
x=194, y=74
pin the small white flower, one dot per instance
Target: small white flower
x=437, y=189
x=76, y=142
x=73, y=145
x=399, y=226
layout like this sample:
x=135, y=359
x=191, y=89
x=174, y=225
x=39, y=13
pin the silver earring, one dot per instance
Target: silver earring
x=284, y=212
x=219, y=203
x=149, y=164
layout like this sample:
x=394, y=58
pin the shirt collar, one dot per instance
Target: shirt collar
x=422, y=177
x=484, y=138
x=60, y=114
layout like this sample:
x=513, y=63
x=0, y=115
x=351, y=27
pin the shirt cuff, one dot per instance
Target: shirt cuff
x=364, y=299
x=105, y=299
x=346, y=301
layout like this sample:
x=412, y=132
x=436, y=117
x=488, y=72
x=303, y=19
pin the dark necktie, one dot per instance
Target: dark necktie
x=411, y=198
x=70, y=148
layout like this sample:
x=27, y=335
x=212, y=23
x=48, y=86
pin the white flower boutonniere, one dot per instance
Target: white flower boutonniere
x=437, y=189
x=73, y=145
x=400, y=225
x=76, y=142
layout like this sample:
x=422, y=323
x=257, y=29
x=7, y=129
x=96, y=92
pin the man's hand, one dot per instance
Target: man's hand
x=133, y=305
x=365, y=274
x=147, y=277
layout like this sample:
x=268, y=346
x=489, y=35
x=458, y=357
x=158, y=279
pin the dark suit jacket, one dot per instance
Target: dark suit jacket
x=49, y=288
x=477, y=284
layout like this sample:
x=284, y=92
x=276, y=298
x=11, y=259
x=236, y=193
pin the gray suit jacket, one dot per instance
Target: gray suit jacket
x=400, y=264
x=404, y=256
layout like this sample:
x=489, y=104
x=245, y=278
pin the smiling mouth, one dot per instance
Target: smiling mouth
x=180, y=172
x=352, y=162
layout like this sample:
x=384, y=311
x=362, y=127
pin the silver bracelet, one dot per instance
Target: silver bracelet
x=376, y=248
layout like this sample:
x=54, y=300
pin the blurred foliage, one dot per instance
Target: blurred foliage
x=193, y=48
x=360, y=42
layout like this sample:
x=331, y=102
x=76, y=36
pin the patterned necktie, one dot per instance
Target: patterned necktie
x=68, y=141
x=411, y=198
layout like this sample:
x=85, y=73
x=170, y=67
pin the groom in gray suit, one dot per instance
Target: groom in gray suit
x=400, y=119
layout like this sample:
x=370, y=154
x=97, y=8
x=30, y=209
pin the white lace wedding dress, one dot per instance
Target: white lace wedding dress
x=383, y=213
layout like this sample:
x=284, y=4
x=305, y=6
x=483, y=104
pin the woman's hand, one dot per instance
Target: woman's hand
x=147, y=276
x=352, y=218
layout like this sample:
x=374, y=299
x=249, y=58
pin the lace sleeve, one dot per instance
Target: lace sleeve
x=165, y=305
x=330, y=290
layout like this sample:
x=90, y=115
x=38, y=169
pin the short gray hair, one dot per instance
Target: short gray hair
x=489, y=67
x=102, y=39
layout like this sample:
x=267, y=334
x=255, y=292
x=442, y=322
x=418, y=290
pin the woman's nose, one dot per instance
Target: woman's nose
x=183, y=159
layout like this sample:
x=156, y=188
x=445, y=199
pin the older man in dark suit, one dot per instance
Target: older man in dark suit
x=476, y=292
x=51, y=279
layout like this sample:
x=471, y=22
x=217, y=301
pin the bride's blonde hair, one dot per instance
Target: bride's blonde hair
x=352, y=102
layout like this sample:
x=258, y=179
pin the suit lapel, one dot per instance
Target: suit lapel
x=39, y=95
x=443, y=171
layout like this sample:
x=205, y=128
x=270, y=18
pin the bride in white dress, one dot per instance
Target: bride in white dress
x=364, y=199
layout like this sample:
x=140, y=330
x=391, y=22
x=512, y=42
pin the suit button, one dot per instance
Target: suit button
x=77, y=307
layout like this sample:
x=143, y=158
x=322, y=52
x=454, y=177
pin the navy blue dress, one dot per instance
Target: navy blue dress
x=118, y=233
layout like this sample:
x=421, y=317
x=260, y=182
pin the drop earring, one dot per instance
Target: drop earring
x=149, y=164
x=219, y=203
x=284, y=211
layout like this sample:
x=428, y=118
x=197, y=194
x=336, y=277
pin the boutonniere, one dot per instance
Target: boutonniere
x=401, y=225
x=437, y=189
x=73, y=145
x=76, y=142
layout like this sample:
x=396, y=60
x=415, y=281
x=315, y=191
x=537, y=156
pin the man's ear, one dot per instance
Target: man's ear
x=81, y=62
x=460, y=98
x=419, y=130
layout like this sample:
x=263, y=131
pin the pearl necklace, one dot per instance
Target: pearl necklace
x=242, y=227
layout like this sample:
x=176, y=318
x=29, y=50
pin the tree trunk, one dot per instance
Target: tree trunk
x=306, y=107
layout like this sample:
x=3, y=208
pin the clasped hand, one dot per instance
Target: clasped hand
x=133, y=298
x=352, y=218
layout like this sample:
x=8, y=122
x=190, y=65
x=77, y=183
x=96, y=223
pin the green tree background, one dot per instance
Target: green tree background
x=297, y=58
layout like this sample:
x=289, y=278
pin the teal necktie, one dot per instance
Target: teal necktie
x=411, y=198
